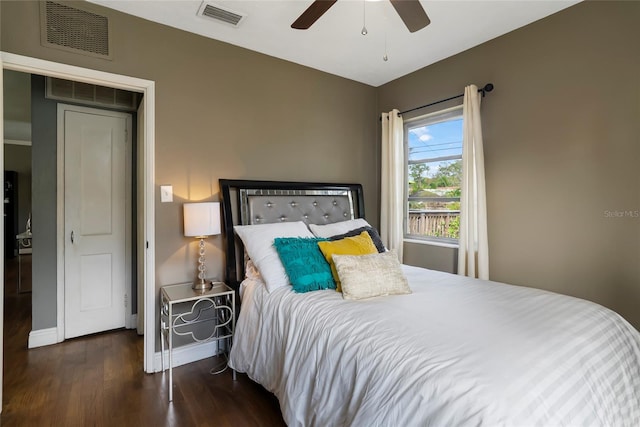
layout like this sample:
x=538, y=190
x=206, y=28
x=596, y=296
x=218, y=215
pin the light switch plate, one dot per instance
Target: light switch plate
x=166, y=193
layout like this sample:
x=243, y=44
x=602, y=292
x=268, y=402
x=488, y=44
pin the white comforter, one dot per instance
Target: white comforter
x=457, y=351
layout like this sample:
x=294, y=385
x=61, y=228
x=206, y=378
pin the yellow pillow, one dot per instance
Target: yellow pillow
x=356, y=245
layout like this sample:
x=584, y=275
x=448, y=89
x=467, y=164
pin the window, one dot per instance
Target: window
x=433, y=145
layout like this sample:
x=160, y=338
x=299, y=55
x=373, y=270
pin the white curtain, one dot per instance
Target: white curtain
x=473, y=251
x=392, y=182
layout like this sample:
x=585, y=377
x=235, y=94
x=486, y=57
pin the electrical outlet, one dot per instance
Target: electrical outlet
x=166, y=193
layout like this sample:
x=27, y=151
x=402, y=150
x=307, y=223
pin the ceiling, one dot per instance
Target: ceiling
x=334, y=43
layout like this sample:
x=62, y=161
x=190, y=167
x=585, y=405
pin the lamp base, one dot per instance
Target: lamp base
x=202, y=286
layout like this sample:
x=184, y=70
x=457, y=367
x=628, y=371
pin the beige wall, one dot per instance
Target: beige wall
x=224, y=112
x=562, y=147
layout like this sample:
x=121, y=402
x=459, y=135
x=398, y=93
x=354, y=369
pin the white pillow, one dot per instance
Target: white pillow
x=329, y=230
x=258, y=242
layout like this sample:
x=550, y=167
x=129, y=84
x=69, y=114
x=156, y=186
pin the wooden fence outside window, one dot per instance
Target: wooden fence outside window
x=434, y=223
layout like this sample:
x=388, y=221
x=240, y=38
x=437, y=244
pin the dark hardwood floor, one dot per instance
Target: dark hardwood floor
x=98, y=381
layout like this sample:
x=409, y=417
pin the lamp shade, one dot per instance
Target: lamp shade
x=201, y=219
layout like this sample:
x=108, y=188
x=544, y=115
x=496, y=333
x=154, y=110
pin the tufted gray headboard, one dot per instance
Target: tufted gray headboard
x=264, y=202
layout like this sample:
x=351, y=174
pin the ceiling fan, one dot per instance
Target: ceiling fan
x=410, y=11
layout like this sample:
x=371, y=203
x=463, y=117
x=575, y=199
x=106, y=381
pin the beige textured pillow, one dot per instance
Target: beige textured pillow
x=366, y=276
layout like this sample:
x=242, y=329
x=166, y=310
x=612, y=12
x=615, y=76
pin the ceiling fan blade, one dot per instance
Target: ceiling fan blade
x=412, y=14
x=311, y=15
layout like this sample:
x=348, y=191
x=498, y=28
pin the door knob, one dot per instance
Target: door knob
x=72, y=237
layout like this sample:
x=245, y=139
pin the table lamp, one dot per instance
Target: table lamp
x=201, y=220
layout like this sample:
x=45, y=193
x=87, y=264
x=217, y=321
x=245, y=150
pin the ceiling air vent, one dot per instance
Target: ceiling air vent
x=74, y=30
x=220, y=14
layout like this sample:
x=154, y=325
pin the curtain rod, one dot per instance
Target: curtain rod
x=487, y=88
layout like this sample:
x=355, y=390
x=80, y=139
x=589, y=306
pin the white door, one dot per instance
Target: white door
x=96, y=219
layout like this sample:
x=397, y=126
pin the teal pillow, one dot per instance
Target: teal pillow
x=304, y=263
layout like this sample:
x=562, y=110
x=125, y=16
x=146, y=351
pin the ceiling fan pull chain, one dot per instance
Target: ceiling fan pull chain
x=364, y=18
x=385, y=58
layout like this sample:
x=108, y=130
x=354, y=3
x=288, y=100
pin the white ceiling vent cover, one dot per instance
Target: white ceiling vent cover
x=221, y=14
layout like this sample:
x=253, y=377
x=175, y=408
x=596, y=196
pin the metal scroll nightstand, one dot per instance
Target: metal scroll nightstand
x=182, y=308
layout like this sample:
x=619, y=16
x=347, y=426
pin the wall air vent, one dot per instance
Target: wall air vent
x=220, y=14
x=74, y=30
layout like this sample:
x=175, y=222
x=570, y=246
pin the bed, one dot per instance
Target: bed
x=454, y=351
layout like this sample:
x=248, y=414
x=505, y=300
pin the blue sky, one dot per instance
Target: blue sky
x=436, y=140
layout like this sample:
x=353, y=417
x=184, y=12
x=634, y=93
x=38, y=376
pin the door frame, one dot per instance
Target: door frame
x=61, y=212
x=145, y=186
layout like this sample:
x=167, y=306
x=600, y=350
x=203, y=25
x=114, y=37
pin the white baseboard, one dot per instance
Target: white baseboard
x=181, y=356
x=42, y=337
x=186, y=354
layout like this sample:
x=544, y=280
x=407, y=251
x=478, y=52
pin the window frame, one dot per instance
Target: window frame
x=425, y=120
